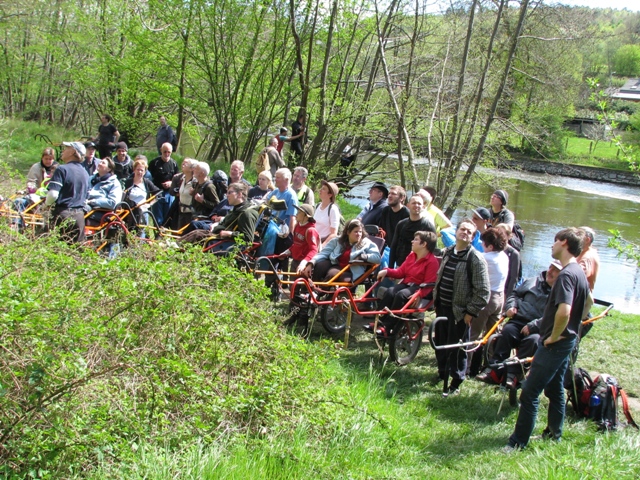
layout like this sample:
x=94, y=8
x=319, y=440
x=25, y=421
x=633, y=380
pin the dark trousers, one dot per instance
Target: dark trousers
x=325, y=270
x=511, y=337
x=70, y=222
x=546, y=374
x=395, y=298
x=278, y=264
x=454, y=360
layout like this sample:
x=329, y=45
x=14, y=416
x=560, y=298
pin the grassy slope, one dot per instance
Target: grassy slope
x=396, y=425
x=602, y=154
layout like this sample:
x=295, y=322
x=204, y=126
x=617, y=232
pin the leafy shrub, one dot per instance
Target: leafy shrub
x=158, y=346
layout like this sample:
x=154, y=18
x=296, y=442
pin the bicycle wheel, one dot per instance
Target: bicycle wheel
x=334, y=319
x=433, y=328
x=489, y=349
x=405, y=341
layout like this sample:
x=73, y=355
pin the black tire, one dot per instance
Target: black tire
x=487, y=351
x=334, y=319
x=433, y=341
x=405, y=341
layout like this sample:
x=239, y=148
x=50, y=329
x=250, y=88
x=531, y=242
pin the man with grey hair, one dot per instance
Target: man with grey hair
x=205, y=198
x=68, y=190
x=236, y=171
x=286, y=217
x=304, y=193
x=162, y=170
x=589, y=259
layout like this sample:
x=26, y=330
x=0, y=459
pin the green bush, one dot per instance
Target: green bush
x=157, y=346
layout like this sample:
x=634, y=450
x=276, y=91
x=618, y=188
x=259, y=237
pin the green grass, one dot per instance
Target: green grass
x=394, y=424
x=583, y=151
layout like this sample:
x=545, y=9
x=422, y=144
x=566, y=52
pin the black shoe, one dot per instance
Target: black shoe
x=368, y=327
x=512, y=380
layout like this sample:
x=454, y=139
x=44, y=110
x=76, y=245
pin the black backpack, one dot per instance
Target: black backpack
x=517, y=239
x=597, y=399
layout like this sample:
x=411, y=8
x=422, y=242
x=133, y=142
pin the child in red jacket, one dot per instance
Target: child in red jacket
x=306, y=240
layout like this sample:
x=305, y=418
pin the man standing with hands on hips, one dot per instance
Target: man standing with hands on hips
x=558, y=334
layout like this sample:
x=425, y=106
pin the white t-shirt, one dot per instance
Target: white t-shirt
x=498, y=267
x=326, y=219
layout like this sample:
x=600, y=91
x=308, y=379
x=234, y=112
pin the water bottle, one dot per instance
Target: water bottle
x=595, y=407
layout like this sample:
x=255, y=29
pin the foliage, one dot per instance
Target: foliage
x=157, y=347
x=625, y=248
x=627, y=60
x=393, y=423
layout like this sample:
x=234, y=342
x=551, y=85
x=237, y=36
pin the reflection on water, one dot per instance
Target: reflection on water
x=543, y=205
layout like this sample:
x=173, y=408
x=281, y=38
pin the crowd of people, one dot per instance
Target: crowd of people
x=473, y=281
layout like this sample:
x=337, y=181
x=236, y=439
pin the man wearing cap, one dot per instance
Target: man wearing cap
x=395, y=211
x=406, y=231
x=162, y=170
x=90, y=162
x=305, y=194
x=123, y=162
x=499, y=211
x=524, y=308
x=68, y=190
x=327, y=213
x=370, y=215
x=306, y=240
x=165, y=135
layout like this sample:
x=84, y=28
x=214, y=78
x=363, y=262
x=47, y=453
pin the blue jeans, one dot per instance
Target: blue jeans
x=546, y=374
x=160, y=208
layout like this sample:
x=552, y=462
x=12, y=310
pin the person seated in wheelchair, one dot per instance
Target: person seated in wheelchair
x=349, y=249
x=524, y=307
x=137, y=190
x=105, y=191
x=306, y=239
x=236, y=229
x=418, y=273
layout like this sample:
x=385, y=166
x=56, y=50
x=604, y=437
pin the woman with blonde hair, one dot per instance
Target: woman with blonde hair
x=264, y=186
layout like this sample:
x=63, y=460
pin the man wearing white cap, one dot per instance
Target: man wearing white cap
x=68, y=191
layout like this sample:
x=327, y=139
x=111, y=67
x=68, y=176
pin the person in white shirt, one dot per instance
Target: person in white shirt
x=327, y=215
x=494, y=241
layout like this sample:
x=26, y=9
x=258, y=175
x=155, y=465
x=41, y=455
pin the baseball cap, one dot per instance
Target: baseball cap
x=77, y=146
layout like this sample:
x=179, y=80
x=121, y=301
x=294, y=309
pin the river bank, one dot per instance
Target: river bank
x=598, y=174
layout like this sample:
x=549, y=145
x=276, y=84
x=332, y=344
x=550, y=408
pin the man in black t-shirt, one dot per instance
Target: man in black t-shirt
x=297, y=130
x=107, y=137
x=393, y=212
x=406, y=230
x=162, y=170
x=558, y=335
x=68, y=191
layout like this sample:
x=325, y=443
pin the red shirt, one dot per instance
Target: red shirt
x=424, y=270
x=306, y=242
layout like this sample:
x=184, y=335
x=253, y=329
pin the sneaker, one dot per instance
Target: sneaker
x=450, y=393
x=382, y=331
x=512, y=380
x=484, y=376
x=369, y=327
x=509, y=449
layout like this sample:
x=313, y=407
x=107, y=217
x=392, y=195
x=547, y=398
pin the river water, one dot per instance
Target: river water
x=545, y=204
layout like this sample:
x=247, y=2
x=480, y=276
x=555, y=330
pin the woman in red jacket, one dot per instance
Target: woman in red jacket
x=418, y=273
